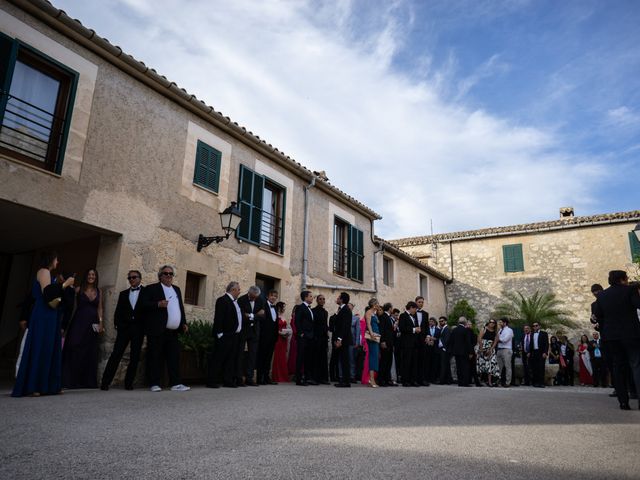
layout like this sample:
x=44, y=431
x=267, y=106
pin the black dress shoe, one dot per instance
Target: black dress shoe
x=425, y=384
x=251, y=384
x=312, y=382
x=104, y=387
x=212, y=385
x=271, y=382
x=394, y=384
x=407, y=385
x=128, y=387
x=262, y=382
x=324, y=383
x=343, y=385
x=302, y=384
x=229, y=385
x=241, y=384
x=625, y=406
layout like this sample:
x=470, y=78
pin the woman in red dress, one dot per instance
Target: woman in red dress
x=586, y=371
x=280, y=369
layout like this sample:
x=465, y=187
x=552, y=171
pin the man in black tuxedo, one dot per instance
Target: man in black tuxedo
x=320, y=341
x=129, y=323
x=445, y=357
x=343, y=339
x=539, y=354
x=409, y=335
x=526, y=347
x=164, y=318
x=397, y=345
x=459, y=345
x=268, y=338
x=304, y=332
x=253, y=313
x=227, y=325
x=616, y=314
x=420, y=352
x=387, y=337
x=432, y=338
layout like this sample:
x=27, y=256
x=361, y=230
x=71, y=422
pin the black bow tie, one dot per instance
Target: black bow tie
x=135, y=289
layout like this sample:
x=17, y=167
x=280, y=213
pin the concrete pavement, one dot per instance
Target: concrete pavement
x=284, y=431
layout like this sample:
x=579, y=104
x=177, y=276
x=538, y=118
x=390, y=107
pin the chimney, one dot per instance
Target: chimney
x=566, y=212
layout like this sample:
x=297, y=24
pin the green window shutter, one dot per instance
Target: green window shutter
x=207, y=169
x=250, y=194
x=634, y=243
x=282, y=214
x=512, y=256
x=355, y=246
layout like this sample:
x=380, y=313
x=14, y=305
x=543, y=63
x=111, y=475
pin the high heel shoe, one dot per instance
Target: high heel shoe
x=373, y=384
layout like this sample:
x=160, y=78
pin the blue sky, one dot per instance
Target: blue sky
x=465, y=113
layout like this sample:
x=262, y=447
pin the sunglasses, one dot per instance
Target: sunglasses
x=167, y=274
x=132, y=278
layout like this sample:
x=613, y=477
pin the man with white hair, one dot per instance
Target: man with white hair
x=253, y=312
x=459, y=345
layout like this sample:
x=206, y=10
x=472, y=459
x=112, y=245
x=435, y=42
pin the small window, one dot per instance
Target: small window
x=424, y=286
x=634, y=245
x=512, y=256
x=340, y=257
x=36, y=101
x=387, y=271
x=262, y=203
x=194, y=289
x=207, y=169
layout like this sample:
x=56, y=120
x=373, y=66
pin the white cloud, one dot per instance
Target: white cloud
x=311, y=83
x=623, y=116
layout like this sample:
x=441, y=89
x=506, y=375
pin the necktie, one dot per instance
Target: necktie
x=135, y=289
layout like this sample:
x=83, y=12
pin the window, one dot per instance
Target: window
x=207, y=170
x=512, y=256
x=262, y=203
x=387, y=271
x=36, y=101
x=634, y=244
x=348, y=248
x=424, y=287
x=194, y=285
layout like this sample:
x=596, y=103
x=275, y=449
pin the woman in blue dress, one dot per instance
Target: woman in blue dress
x=373, y=329
x=80, y=353
x=39, y=368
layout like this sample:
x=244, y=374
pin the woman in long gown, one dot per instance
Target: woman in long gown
x=80, y=354
x=487, y=362
x=39, y=368
x=280, y=369
x=586, y=372
x=373, y=347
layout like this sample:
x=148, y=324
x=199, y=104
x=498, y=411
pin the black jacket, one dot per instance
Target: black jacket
x=387, y=335
x=251, y=328
x=155, y=318
x=342, y=326
x=304, y=321
x=445, y=332
x=406, y=324
x=320, y=323
x=225, y=317
x=616, y=312
x=459, y=341
x=125, y=316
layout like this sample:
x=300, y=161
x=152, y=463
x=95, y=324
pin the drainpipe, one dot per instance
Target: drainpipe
x=305, y=241
x=375, y=264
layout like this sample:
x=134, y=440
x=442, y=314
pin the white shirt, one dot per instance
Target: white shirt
x=274, y=317
x=440, y=344
x=535, y=340
x=419, y=315
x=309, y=307
x=173, y=308
x=133, y=297
x=505, y=337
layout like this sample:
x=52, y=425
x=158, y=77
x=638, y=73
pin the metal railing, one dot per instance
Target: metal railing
x=271, y=232
x=340, y=261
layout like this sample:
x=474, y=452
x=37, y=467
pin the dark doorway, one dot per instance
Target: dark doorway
x=266, y=283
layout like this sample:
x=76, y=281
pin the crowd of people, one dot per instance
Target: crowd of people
x=255, y=344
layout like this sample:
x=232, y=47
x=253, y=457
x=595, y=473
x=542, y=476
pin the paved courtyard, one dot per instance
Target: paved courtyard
x=285, y=431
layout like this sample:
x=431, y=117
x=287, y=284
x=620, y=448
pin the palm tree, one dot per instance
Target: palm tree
x=543, y=308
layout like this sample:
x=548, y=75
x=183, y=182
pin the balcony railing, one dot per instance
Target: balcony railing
x=271, y=232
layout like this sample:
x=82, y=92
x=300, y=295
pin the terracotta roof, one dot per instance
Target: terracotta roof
x=560, y=224
x=73, y=28
x=387, y=246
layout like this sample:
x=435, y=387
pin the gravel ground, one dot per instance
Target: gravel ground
x=284, y=431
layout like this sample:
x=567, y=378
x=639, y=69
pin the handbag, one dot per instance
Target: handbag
x=372, y=337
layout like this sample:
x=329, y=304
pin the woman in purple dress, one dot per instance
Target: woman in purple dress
x=80, y=353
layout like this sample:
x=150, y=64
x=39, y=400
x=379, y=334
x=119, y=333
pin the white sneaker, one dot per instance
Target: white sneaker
x=180, y=388
x=156, y=388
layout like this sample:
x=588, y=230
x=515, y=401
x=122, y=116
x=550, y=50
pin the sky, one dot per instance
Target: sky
x=440, y=115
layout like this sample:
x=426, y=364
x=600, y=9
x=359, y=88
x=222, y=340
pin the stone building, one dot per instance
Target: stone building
x=564, y=256
x=115, y=167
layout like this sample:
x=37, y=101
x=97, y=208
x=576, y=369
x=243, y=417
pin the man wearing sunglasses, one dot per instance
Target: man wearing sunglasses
x=129, y=325
x=164, y=318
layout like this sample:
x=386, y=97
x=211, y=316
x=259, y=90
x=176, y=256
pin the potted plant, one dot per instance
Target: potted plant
x=197, y=345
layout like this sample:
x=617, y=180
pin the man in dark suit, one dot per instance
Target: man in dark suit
x=539, y=354
x=422, y=361
x=227, y=325
x=445, y=357
x=616, y=314
x=599, y=367
x=253, y=313
x=268, y=337
x=397, y=347
x=164, y=318
x=304, y=332
x=432, y=338
x=320, y=341
x=526, y=346
x=459, y=345
x=387, y=336
x=343, y=339
x=409, y=333
x=129, y=323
